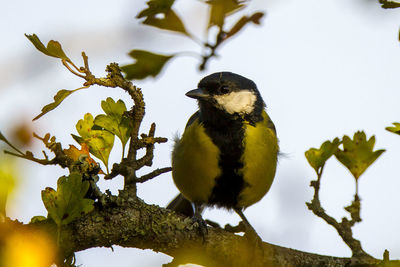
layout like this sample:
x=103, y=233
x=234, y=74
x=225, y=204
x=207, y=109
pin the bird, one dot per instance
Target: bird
x=228, y=152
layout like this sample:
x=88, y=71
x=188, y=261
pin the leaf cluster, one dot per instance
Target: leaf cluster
x=68, y=202
x=355, y=154
x=161, y=14
x=77, y=193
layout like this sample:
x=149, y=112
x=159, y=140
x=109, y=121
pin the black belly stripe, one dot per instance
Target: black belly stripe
x=228, y=135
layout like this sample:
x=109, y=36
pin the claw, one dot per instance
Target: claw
x=200, y=221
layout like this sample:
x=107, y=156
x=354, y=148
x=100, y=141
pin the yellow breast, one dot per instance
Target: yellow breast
x=260, y=159
x=195, y=164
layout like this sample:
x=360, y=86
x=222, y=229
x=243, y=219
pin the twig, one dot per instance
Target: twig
x=30, y=157
x=5, y=140
x=64, y=62
x=153, y=174
x=344, y=227
x=220, y=38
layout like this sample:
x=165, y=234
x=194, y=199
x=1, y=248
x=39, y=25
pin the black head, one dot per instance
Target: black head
x=229, y=92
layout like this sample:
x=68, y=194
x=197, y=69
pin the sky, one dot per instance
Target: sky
x=324, y=68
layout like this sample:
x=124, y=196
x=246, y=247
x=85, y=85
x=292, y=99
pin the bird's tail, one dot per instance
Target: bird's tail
x=181, y=205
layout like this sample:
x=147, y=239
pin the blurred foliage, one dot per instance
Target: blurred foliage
x=8, y=176
x=389, y=4
x=22, y=133
x=160, y=14
x=220, y=9
x=146, y=64
x=23, y=248
x=394, y=129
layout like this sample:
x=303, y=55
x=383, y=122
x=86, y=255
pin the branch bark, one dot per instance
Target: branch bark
x=133, y=223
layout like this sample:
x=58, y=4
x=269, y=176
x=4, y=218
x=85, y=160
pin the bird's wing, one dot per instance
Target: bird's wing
x=180, y=203
x=192, y=119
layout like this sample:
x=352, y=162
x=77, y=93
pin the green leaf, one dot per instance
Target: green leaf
x=243, y=21
x=357, y=154
x=100, y=142
x=53, y=48
x=317, y=157
x=8, y=178
x=170, y=21
x=395, y=129
x=115, y=120
x=37, y=219
x=220, y=9
x=68, y=202
x=156, y=7
x=159, y=14
x=147, y=64
x=58, y=98
x=389, y=4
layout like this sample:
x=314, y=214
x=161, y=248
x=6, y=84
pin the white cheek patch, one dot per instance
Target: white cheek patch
x=241, y=102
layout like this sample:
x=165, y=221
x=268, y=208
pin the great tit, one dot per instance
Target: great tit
x=227, y=155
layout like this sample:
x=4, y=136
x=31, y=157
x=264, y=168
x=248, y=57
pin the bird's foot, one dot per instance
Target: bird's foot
x=202, y=226
x=249, y=232
x=252, y=236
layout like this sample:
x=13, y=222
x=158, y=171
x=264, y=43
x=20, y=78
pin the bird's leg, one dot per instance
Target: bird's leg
x=250, y=231
x=253, y=238
x=198, y=209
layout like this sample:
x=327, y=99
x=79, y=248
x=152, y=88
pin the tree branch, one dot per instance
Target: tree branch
x=136, y=224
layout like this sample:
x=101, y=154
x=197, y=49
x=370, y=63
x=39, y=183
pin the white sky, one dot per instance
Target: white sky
x=324, y=68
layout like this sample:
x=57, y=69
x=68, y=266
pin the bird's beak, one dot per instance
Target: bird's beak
x=197, y=93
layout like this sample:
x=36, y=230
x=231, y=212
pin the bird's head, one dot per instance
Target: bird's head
x=229, y=92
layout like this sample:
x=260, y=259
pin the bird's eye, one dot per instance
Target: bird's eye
x=224, y=89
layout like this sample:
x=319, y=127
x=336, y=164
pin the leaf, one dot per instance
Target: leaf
x=317, y=157
x=68, y=202
x=35, y=219
x=255, y=18
x=170, y=21
x=58, y=98
x=100, y=142
x=395, y=129
x=389, y=4
x=160, y=15
x=115, y=120
x=75, y=154
x=8, y=178
x=53, y=48
x=220, y=9
x=156, y=7
x=357, y=154
x=147, y=64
